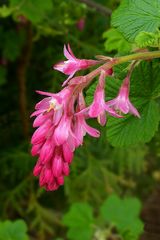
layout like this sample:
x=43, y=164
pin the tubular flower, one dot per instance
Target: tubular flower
x=98, y=108
x=73, y=64
x=81, y=127
x=121, y=102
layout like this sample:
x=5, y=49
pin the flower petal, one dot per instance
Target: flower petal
x=46, y=152
x=133, y=110
x=91, y=131
x=67, y=153
x=70, y=51
x=57, y=166
x=66, y=169
x=68, y=54
x=62, y=131
x=67, y=80
x=102, y=118
x=40, y=119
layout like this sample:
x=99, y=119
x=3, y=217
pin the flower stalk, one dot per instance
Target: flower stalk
x=61, y=118
x=120, y=60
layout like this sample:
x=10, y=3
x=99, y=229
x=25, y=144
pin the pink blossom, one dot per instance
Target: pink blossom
x=50, y=140
x=121, y=102
x=81, y=127
x=98, y=107
x=51, y=172
x=58, y=133
x=73, y=64
x=109, y=71
x=61, y=119
x=64, y=133
x=80, y=24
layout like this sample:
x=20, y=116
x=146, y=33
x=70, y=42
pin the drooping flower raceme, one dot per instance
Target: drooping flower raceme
x=59, y=133
x=122, y=103
x=53, y=147
x=61, y=120
x=73, y=64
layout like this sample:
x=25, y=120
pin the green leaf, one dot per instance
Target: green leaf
x=145, y=81
x=79, y=219
x=145, y=87
x=123, y=213
x=116, y=41
x=5, y=11
x=34, y=10
x=135, y=16
x=130, y=160
x=13, y=43
x=131, y=130
x=13, y=230
x=120, y=70
x=146, y=39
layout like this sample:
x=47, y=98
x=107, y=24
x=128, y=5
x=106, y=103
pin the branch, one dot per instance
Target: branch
x=98, y=7
x=115, y=61
x=21, y=75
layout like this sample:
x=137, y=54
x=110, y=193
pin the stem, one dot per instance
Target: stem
x=119, y=60
x=131, y=68
x=138, y=56
x=21, y=75
x=98, y=7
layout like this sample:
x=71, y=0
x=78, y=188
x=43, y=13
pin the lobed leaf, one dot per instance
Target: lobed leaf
x=79, y=219
x=135, y=16
x=131, y=130
x=146, y=39
x=115, y=41
x=123, y=214
x=13, y=230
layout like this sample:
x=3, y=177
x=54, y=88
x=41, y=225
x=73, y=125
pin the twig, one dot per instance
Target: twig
x=21, y=75
x=98, y=7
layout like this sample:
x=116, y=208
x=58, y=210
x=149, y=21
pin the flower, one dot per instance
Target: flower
x=61, y=118
x=50, y=142
x=51, y=172
x=98, y=107
x=81, y=127
x=73, y=64
x=109, y=71
x=58, y=133
x=121, y=102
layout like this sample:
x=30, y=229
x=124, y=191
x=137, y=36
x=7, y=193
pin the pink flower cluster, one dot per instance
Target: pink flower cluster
x=61, y=120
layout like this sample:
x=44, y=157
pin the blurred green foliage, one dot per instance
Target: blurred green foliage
x=13, y=230
x=32, y=36
x=112, y=214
